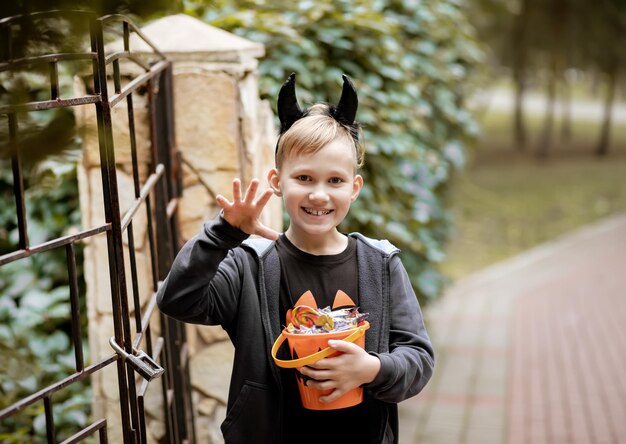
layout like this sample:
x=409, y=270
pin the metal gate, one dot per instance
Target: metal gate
x=139, y=355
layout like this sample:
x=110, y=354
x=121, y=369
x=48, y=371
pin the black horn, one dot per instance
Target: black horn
x=345, y=112
x=288, y=109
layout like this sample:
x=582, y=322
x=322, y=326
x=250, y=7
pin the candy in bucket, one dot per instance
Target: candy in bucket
x=307, y=335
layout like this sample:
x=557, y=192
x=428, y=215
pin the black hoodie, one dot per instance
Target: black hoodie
x=220, y=277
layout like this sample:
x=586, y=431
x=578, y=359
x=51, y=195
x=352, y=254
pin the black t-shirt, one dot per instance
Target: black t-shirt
x=323, y=276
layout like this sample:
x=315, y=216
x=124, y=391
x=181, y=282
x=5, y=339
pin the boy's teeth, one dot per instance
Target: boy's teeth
x=317, y=212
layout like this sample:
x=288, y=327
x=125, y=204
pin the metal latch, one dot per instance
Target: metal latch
x=139, y=361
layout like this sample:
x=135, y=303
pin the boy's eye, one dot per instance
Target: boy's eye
x=336, y=180
x=303, y=178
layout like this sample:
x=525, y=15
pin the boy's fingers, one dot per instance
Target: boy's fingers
x=236, y=190
x=265, y=197
x=222, y=201
x=251, y=191
x=344, y=346
x=319, y=365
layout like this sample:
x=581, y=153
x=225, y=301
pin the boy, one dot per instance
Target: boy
x=248, y=285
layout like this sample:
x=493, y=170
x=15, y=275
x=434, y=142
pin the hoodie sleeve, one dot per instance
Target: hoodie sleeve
x=204, y=282
x=408, y=365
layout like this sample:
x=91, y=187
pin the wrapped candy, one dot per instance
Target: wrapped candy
x=308, y=320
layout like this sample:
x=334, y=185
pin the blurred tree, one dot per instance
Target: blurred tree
x=604, y=48
x=556, y=20
x=548, y=41
x=505, y=29
x=519, y=51
x=413, y=64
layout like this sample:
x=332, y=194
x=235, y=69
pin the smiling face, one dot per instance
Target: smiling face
x=317, y=190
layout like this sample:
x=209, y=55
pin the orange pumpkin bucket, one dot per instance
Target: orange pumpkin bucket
x=309, y=348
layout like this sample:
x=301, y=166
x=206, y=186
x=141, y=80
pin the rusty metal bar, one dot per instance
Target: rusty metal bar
x=117, y=17
x=49, y=104
x=175, y=409
x=126, y=35
x=120, y=295
x=75, y=307
x=50, y=432
x=98, y=426
x=142, y=413
x=162, y=134
x=133, y=143
x=114, y=244
x=6, y=43
x=174, y=157
x=174, y=187
x=51, y=244
x=167, y=411
x=172, y=405
x=145, y=321
x=134, y=278
x=116, y=76
x=148, y=334
x=103, y=435
x=144, y=388
x=145, y=191
x=151, y=243
x=139, y=81
x=54, y=81
x=18, y=183
x=134, y=408
x=128, y=56
x=53, y=388
x=29, y=62
x=26, y=63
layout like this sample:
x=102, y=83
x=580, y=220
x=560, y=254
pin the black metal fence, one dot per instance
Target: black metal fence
x=140, y=356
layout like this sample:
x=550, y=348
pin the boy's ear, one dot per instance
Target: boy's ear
x=274, y=182
x=357, y=184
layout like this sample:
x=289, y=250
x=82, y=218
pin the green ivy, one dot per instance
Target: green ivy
x=413, y=64
x=35, y=329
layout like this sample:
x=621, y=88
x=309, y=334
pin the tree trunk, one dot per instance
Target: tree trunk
x=546, y=136
x=566, y=117
x=519, y=128
x=602, y=148
x=518, y=46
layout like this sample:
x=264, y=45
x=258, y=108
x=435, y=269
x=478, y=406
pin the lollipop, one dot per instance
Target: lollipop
x=305, y=316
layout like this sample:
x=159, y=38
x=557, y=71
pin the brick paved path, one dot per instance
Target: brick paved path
x=532, y=350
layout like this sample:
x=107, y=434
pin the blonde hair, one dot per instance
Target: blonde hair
x=314, y=131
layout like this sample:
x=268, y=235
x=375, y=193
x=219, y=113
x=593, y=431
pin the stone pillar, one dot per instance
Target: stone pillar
x=223, y=131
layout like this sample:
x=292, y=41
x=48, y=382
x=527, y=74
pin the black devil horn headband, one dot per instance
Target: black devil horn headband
x=345, y=112
x=289, y=111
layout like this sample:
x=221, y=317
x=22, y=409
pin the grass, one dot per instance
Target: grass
x=506, y=202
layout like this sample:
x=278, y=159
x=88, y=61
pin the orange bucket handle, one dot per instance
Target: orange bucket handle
x=301, y=362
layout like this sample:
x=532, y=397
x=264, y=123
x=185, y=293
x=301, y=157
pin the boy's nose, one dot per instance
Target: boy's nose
x=318, y=195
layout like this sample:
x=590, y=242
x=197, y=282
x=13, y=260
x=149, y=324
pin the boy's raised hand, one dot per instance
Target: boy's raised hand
x=245, y=213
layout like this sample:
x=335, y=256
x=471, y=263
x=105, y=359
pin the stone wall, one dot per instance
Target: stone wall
x=223, y=131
